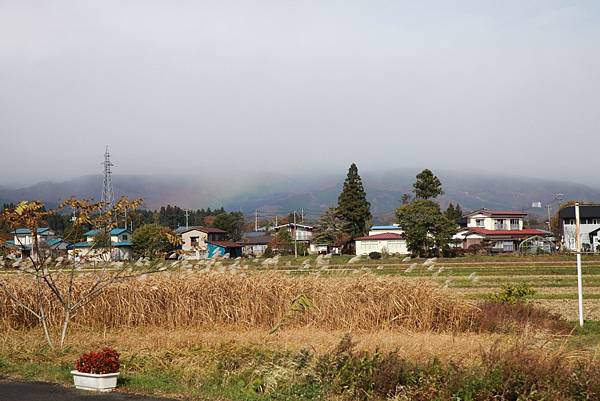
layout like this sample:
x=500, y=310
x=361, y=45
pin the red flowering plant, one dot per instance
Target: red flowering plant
x=100, y=362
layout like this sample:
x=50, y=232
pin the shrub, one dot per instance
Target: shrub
x=512, y=293
x=374, y=255
x=99, y=362
x=497, y=317
x=477, y=249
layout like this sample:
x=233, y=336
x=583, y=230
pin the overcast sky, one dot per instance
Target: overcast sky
x=186, y=86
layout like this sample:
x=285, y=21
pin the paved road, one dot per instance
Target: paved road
x=37, y=391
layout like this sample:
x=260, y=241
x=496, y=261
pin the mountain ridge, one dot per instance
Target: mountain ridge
x=276, y=193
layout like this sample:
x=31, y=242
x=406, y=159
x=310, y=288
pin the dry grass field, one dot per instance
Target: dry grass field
x=326, y=329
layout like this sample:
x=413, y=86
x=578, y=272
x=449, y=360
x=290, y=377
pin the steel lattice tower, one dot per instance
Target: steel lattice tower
x=108, y=195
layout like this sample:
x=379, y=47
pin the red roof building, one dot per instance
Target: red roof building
x=502, y=229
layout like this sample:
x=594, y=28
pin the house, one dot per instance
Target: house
x=121, y=247
x=503, y=229
x=23, y=241
x=383, y=239
x=324, y=249
x=299, y=232
x=221, y=248
x=589, y=229
x=195, y=239
x=255, y=243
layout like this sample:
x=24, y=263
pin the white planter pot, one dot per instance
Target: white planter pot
x=95, y=382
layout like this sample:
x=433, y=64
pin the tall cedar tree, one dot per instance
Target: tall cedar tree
x=427, y=185
x=353, y=207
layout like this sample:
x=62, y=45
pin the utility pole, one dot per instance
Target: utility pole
x=295, y=237
x=256, y=220
x=126, y=218
x=579, y=278
x=549, y=225
x=187, y=215
x=302, y=215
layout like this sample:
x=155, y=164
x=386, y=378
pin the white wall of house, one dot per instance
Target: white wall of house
x=596, y=243
x=27, y=239
x=395, y=230
x=396, y=246
x=113, y=238
x=495, y=223
x=586, y=227
x=254, y=249
x=121, y=237
x=303, y=234
x=194, y=240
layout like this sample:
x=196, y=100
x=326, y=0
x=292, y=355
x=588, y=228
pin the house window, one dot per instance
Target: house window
x=194, y=241
x=508, y=246
x=514, y=224
x=479, y=222
x=499, y=224
x=124, y=237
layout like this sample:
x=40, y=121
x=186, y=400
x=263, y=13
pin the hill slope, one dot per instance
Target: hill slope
x=280, y=193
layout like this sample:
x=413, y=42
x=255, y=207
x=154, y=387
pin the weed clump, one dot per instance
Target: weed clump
x=513, y=293
x=517, y=373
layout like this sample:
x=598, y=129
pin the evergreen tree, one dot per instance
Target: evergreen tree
x=454, y=214
x=353, y=207
x=232, y=222
x=427, y=185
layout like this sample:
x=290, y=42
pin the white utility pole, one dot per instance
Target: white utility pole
x=187, y=215
x=579, y=278
x=295, y=237
x=256, y=220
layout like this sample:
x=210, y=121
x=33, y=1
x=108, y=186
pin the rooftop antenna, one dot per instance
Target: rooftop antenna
x=108, y=195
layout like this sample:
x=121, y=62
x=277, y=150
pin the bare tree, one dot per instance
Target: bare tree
x=56, y=279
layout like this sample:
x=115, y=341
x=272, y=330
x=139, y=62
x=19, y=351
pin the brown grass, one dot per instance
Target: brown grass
x=182, y=299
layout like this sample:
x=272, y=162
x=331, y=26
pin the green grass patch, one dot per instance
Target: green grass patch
x=153, y=381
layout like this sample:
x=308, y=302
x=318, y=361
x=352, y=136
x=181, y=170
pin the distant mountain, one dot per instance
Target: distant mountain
x=279, y=193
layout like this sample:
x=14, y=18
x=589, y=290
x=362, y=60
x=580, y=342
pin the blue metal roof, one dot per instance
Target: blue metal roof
x=114, y=231
x=83, y=244
x=89, y=244
x=391, y=227
x=25, y=231
x=56, y=241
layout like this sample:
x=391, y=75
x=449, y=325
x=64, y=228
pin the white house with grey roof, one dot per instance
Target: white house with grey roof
x=589, y=218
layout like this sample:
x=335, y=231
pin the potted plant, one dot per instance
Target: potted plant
x=97, y=371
